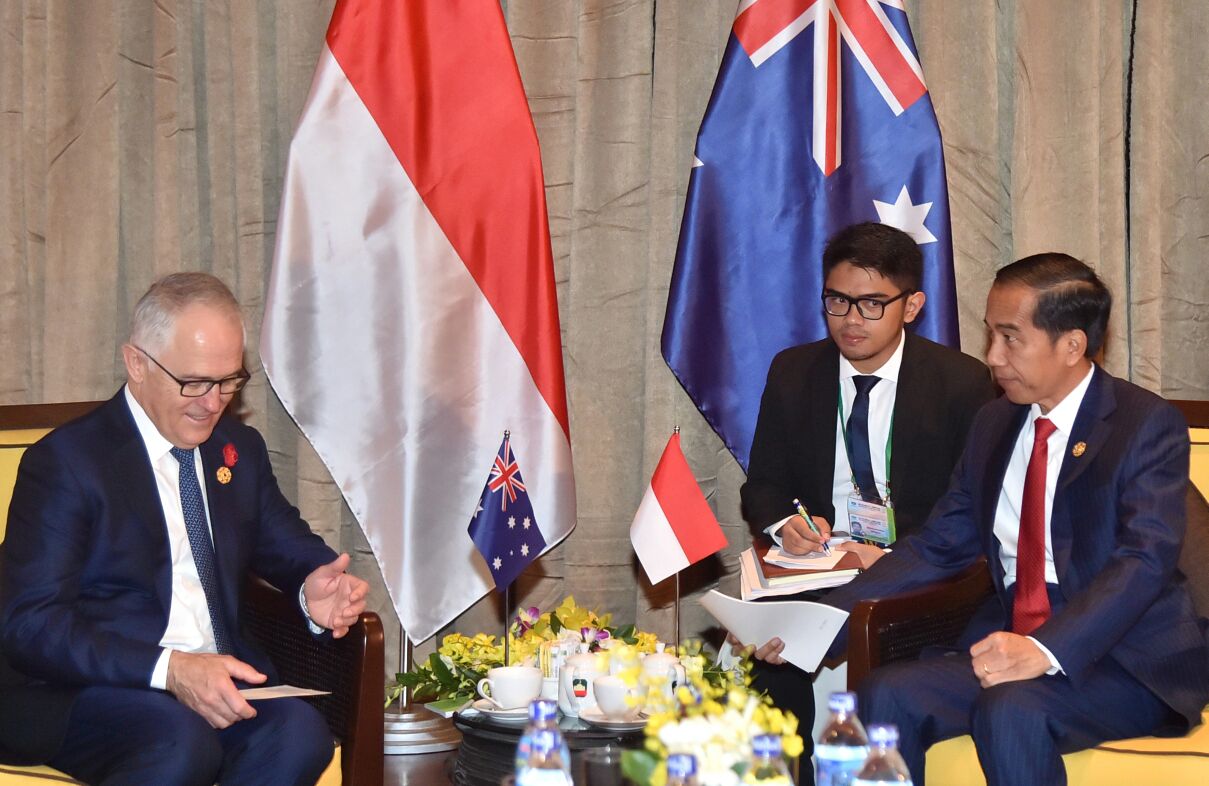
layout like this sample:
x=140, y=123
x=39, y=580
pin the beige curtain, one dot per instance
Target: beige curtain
x=141, y=137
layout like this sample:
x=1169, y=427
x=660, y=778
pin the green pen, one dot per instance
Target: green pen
x=810, y=523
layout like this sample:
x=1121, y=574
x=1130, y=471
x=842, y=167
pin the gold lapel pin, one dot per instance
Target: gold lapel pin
x=224, y=475
x=1078, y=449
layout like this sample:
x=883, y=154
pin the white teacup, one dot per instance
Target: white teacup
x=509, y=687
x=616, y=700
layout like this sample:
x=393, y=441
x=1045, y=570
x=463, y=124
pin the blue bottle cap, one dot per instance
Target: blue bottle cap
x=681, y=765
x=768, y=745
x=542, y=710
x=842, y=702
x=883, y=734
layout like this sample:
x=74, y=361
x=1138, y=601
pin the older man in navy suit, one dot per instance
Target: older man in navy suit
x=131, y=533
x=1072, y=486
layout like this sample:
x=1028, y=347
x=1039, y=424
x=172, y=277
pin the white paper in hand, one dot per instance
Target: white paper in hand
x=279, y=692
x=806, y=628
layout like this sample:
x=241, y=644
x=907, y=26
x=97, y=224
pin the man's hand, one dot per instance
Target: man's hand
x=769, y=652
x=866, y=553
x=203, y=683
x=1007, y=657
x=797, y=537
x=334, y=599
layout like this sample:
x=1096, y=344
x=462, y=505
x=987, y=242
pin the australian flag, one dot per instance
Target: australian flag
x=503, y=528
x=819, y=119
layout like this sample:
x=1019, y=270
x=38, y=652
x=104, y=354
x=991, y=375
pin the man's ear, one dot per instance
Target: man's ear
x=136, y=364
x=915, y=304
x=1074, y=344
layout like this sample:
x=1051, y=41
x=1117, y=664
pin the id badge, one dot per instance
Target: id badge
x=871, y=521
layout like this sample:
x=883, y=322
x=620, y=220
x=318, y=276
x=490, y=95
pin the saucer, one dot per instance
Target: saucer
x=491, y=711
x=593, y=716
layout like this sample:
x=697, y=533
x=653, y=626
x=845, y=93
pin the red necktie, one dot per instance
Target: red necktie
x=1031, y=606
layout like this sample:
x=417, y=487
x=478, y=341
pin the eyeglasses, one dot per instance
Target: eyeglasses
x=196, y=388
x=837, y=304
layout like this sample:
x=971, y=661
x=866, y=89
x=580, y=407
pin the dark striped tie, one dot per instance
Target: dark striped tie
x=858, y=439
x=199, y=542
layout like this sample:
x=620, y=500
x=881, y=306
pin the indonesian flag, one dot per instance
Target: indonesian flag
x=411, y=315
x=674, y=526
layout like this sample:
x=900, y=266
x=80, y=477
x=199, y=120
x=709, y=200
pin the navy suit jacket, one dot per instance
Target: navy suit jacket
x=793, y=451
x=85, y=570
x=1117, y=525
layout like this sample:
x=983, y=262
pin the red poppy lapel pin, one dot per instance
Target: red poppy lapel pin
x=229, y=457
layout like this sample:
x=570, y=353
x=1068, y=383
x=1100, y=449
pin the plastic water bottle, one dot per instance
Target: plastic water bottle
x=682, y=770
x=767, y=768
x=543, y=714
x=843, y=746
x=545, y=765
x=884, y=764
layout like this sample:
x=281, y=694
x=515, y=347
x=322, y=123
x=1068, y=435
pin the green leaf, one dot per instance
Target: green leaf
x=555, y=624
x=638, y=765
x=411, y=679
x=627, y=633
x=444, y=676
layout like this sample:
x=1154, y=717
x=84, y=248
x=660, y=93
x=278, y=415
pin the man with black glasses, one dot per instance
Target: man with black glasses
x=130, y=536
x=866, y=424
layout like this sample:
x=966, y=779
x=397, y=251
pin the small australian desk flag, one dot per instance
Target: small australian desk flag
x=503, y=528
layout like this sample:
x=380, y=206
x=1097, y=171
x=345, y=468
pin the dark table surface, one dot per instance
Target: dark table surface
x=488, y=750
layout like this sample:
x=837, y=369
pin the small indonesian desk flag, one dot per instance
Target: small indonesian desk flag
x=674, y=526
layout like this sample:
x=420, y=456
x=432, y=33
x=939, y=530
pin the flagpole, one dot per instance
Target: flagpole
x=676, y=598
x=507, y=606
x=507, y=594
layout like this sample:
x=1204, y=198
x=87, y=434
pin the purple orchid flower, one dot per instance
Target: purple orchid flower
x=593, y=637
x=526, y=619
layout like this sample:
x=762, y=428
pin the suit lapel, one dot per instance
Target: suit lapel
x=132, y=474
x=821, y=416
x=992, y=485
x=1092, y=431
x=909, y=398
x=223, y=518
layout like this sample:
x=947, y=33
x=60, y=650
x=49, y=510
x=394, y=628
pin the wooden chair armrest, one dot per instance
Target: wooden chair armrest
x=884, y=630
x=351, y=667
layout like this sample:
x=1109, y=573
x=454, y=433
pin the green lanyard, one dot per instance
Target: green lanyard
x=848, y=447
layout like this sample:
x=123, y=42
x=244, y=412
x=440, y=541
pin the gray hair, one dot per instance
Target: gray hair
x=155, y=313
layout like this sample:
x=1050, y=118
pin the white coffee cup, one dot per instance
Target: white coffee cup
x=509, y=687
x=615, y=699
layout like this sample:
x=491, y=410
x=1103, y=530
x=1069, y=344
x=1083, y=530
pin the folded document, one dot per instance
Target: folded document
x=806, y=628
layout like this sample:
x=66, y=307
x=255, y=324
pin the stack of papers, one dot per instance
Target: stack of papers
x=806, y=628
x=762, y=577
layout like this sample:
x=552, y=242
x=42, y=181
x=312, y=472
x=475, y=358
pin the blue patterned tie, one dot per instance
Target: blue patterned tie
x=199, y=542
x=858, y=439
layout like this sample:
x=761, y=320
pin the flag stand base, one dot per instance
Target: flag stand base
x=418, y=730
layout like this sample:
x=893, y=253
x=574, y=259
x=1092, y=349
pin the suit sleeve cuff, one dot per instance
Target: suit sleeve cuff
x=314, y=627
x=159, y=675
x=1054, y=666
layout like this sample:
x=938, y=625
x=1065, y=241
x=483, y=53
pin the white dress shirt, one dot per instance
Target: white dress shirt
x=1007, y=512
x=189, y=626
x=881, y=413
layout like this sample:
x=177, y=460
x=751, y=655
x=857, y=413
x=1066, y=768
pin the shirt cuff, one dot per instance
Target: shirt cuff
x=774, y=530
x=314, y=627
x=1054, y=666
x=159, y=675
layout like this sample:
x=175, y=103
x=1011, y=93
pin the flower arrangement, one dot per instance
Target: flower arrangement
x=450, y=674
x=713, y=719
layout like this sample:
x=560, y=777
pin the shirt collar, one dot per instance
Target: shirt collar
x=1063, y=415
x=889, y=369
x=157, y=446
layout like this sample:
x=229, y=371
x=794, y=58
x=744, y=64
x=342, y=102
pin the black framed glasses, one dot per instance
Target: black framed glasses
x=196, y=388
x=837, y=304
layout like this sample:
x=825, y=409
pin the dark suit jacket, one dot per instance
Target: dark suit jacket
x=1117, y=526
x=793, y=451
x=85, y=572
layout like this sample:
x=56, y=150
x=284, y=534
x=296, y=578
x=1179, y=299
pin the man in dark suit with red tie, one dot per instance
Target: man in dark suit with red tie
x=130, y=536
x=1072, y=486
